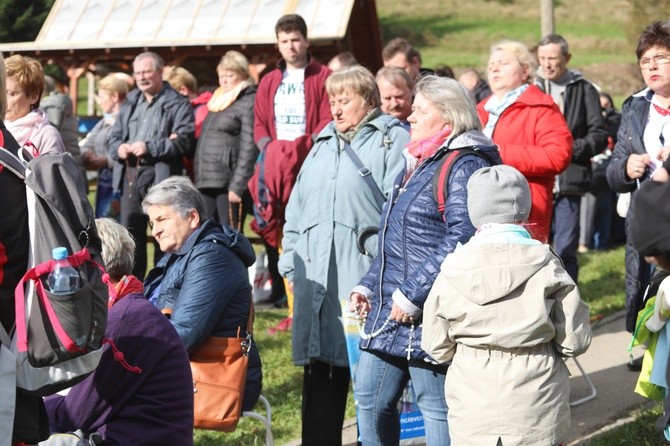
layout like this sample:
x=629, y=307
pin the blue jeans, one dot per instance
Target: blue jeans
x=565, y=228
x=379, y=383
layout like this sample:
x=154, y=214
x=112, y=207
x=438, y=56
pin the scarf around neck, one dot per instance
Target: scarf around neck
x=417, y=152
x=349, y=135
x=24, y=128
x=221, y=100
x=496, y=106
x=125, y=286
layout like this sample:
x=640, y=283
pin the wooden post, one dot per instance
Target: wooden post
x=546, y=17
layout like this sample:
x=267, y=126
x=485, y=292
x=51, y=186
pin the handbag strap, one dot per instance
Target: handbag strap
x=250, y=320
x=365, y=174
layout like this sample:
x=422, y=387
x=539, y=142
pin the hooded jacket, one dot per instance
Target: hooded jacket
x=329, y=206
x=504, y=311
x=206, y=284
x=414, y=238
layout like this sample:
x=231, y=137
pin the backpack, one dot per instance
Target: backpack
x=57, y=338
x=443, y=171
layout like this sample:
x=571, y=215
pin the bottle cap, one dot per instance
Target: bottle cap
x=59, y=253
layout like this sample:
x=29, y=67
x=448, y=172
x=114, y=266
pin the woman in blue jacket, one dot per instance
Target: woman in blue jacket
x=202, y=278
x=415, y=238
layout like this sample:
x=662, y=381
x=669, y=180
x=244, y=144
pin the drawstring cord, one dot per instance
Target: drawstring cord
x=120, y=357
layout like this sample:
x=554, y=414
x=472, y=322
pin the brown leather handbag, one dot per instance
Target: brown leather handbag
x=219, y=369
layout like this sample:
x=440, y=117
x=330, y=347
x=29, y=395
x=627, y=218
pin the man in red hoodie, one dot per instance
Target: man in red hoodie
x=291, y=108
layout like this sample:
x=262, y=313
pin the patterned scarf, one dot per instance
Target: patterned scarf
x=125, y=286
x=496, y=106
x=417, y=152
x=221, y=100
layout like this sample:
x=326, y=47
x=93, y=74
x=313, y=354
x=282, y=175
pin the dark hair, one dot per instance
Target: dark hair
x=291, y=22
x=608, y=97
x=346, y=59
x=558, y=40
x=656, y=34
x=400, y=45
x=444, y=70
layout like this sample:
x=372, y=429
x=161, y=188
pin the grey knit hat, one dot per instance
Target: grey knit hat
x=498, y=194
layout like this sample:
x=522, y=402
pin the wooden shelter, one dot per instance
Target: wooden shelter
x=89, y=37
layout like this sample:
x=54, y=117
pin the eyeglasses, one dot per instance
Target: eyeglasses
x=143, y=73
x=659, y=59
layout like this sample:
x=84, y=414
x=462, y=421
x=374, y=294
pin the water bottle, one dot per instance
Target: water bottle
x=64, y=279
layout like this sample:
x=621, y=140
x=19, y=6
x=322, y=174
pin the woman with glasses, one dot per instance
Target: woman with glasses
x=643, y=143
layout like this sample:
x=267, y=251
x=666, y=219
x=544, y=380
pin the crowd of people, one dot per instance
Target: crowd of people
x=427, y=207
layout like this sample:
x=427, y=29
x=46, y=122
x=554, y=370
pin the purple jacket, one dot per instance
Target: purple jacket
x=154, y=407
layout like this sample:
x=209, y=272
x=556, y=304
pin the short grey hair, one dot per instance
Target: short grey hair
x=558, y=40
x=179, y=193
x=395, y=76
x=118, y=248
x=158, y=60
x=452, y=99
x=355, y=79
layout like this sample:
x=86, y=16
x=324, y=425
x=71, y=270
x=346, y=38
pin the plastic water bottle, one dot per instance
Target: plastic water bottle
x=64, y=279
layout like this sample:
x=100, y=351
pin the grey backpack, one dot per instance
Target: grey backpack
x=58, y=338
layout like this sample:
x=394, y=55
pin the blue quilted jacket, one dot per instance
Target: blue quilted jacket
x=414, y=240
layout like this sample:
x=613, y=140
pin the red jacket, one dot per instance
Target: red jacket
x=282, y=159
x=533, y=137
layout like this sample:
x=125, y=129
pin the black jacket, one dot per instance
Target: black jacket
x=226, y=151
x=634, y=117
x=583, y=114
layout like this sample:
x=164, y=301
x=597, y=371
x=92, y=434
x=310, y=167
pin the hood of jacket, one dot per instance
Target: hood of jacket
x=493, y=264
x=225, y=235
x=472, y=138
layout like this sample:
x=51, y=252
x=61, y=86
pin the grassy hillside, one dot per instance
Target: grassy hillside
x=459, y=34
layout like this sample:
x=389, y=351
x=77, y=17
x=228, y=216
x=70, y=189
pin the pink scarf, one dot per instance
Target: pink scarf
x=417, y=152
x=24, y=128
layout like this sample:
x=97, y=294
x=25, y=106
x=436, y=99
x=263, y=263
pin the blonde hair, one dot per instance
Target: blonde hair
x=234, y=61
x=520, y=53
x=179, y=77
x=29, y=74
x=355, y=79
x=454, y=102
x=114, y=84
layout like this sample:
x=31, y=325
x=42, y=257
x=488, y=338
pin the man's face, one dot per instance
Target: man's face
x=149, y=80
x=396, y=100
x=293, y=48
x=410, y=67
x=552, y=61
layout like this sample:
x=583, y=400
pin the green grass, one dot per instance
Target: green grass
x=601, y=284
x=641, y=432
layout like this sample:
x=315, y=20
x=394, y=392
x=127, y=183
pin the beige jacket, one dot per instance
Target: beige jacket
x=504, y=314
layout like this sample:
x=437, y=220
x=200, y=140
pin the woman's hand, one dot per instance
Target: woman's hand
x=359, y=304
x=663, y=153
x=636, y=165
x=233, y=197
x=400, y=316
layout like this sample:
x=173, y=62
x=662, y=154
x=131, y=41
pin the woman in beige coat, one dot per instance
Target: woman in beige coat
x=505, y=312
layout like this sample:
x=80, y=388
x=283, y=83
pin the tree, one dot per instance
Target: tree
x=21, y=20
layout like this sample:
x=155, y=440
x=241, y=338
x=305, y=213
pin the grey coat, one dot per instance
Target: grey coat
x=329, y=205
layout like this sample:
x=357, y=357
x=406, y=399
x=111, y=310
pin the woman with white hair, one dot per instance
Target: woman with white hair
x=415, y=236
x=202, y=279
x=528, y=128
x=141, y=392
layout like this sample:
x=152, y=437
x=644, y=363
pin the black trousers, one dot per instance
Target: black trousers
x=220, y=209
x=324, y=399
x=132, y=216
x=278, y=290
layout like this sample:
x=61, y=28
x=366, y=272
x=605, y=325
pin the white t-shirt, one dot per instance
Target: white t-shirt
x=289, y=105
